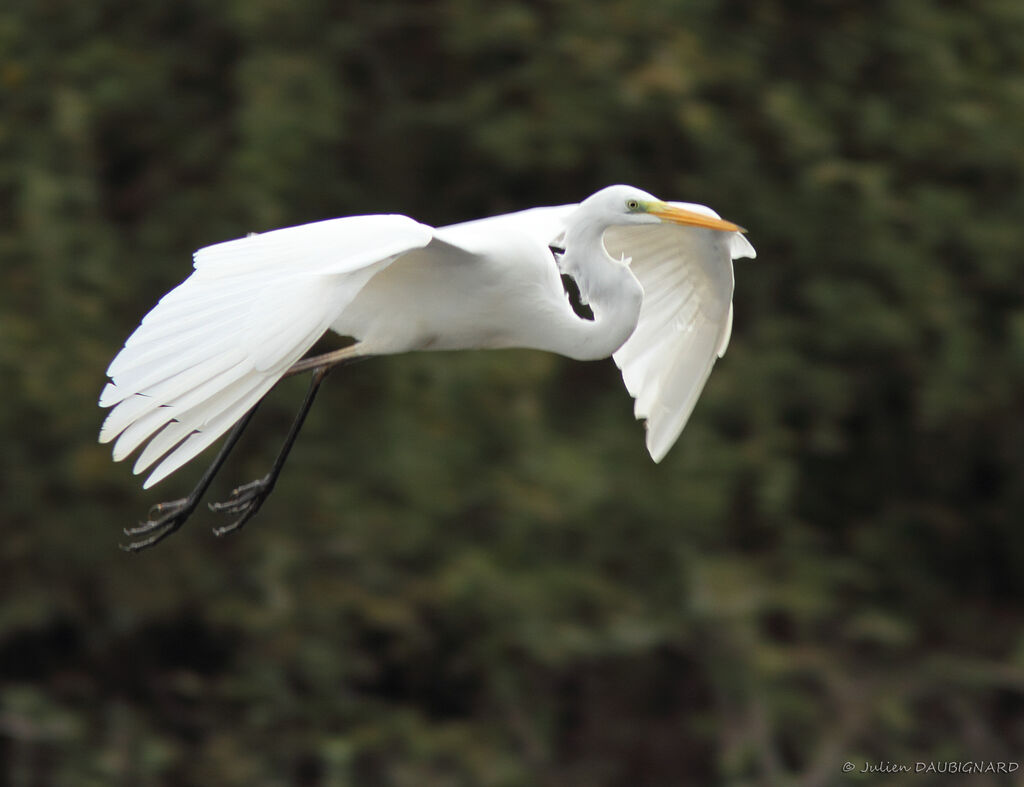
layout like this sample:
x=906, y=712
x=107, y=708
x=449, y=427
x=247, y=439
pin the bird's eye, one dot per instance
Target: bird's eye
x=632, y=204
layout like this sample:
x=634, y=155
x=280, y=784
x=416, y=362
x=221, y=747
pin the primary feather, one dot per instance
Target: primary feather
x=217, y=343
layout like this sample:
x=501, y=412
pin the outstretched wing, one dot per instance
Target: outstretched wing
x=217, y=343
x=685, y=321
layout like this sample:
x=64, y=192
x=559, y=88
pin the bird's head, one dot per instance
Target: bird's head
x=618, y=205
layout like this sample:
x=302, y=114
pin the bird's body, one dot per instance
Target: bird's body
x=476, y=299
x=658, y=278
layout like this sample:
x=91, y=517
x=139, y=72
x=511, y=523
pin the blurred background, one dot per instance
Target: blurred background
x=471, y=573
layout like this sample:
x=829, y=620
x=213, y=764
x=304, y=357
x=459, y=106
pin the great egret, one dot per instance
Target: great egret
x=658, y=277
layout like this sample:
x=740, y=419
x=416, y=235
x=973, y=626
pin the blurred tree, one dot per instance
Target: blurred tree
x=471, y=573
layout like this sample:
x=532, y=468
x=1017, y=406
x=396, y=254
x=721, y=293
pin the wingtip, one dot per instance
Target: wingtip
x=107, y=433
x=161, y=471
x=741, y=247
x=123, y=448
x=658, y=449
x=110, y=395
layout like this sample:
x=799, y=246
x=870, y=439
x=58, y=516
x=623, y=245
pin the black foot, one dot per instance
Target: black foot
x=164, y=519
x=245, y=500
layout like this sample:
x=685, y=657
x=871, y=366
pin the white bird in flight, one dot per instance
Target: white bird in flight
x=658, y=277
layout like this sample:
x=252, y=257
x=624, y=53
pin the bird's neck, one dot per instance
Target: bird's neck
x=608, y=287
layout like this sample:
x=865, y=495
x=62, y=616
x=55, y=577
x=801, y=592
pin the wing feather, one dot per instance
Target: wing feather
x=215, y=345
x=198, y=439
x=194, y=417
x=685, y=321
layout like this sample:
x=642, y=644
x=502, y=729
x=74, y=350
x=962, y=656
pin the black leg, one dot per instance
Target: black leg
x=165, y=518
x=247, y=499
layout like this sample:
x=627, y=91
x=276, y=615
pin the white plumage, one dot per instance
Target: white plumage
x=658, y=276
x=216, y=344
x=685, y=321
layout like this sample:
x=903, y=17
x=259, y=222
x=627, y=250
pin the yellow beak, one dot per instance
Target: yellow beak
x=689, y=218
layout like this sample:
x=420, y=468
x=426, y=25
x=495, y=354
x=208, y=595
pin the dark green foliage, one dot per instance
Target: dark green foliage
x=471, y=573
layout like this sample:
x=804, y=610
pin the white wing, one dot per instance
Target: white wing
x=217, y=343
x=545, y=225
x=685, y=321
